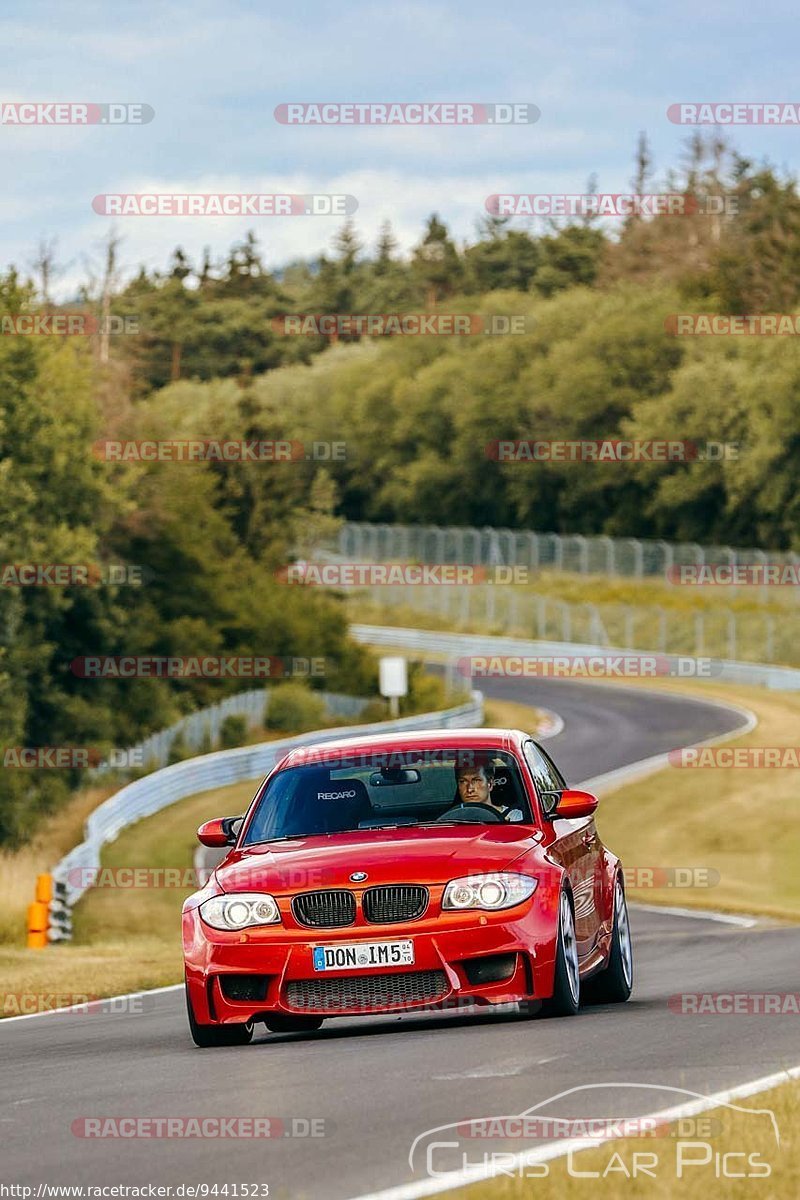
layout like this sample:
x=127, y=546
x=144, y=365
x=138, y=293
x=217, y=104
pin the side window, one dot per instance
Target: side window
x=545, y=775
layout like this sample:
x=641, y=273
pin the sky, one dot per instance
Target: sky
x=214, y=74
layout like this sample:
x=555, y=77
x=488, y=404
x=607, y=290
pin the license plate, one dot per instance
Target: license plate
x=358, y=955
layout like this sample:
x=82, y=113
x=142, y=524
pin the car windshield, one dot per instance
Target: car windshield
x=373, y=791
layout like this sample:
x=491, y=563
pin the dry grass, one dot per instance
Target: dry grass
x=507, y=714
x=105, y=968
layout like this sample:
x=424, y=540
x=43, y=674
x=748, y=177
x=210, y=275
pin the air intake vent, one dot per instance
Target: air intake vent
x=367, y=992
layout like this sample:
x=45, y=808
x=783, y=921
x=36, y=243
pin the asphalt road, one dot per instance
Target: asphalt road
x=379, y=1083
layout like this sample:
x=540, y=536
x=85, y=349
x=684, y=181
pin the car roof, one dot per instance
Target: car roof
x=385, y=743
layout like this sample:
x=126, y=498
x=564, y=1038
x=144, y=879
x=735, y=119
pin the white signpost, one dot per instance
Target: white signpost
x=393, y=680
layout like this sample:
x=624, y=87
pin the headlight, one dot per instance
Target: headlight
x=240, y=910
x=502, y=890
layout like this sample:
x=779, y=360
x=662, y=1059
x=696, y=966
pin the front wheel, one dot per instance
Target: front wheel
x=566, y=998
x=207, y=1036
x=614, y=984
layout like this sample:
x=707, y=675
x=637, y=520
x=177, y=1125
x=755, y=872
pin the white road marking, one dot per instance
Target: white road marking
x=497, y=1070
x=697, y=914
x=48, y=1012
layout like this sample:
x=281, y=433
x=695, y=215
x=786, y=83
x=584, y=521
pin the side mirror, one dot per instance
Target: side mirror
x=222, y=831
x=574, y=803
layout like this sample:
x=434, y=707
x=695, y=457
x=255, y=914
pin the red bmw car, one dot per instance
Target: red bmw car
x=405, y=872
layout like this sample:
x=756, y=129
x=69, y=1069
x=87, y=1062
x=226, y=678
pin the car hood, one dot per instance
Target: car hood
x=389, y=856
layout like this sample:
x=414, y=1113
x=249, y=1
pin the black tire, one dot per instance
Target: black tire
x=566, y=998
x=282, y=1023
x=614, y=984
x=207, y=1036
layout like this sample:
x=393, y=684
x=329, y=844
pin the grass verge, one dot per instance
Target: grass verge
x=735, y=822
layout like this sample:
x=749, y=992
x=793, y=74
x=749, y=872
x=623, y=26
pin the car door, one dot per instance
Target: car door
x=576, y=845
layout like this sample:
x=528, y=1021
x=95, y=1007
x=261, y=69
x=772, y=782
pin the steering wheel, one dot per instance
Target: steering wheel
x=471, y=814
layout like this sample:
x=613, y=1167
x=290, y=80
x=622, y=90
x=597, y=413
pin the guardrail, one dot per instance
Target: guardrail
x=201, y=729
x=150, y=794
x=462, y=645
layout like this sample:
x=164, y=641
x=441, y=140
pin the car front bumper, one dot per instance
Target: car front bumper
x=517, y=953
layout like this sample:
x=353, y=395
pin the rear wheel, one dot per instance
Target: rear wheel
x=566, y=998
x=613, y=985
x=281, y=1023
x=206, y=1036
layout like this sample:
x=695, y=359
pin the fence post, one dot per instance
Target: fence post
x=541, y=617
x=465, y=599
x=611, y=566
x=662, y=630
x=533, y=551
x=566, y=623
x=513, y=611
x=489, y=607
x=669, y=557
x=583, y=553
x=638, y=557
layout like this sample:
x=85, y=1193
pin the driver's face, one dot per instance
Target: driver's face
x=474, y=787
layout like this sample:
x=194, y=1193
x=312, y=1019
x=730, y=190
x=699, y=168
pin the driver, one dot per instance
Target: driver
x=475, y=784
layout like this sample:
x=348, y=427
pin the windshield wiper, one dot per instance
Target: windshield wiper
x=430, y=824
x=289, y=837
